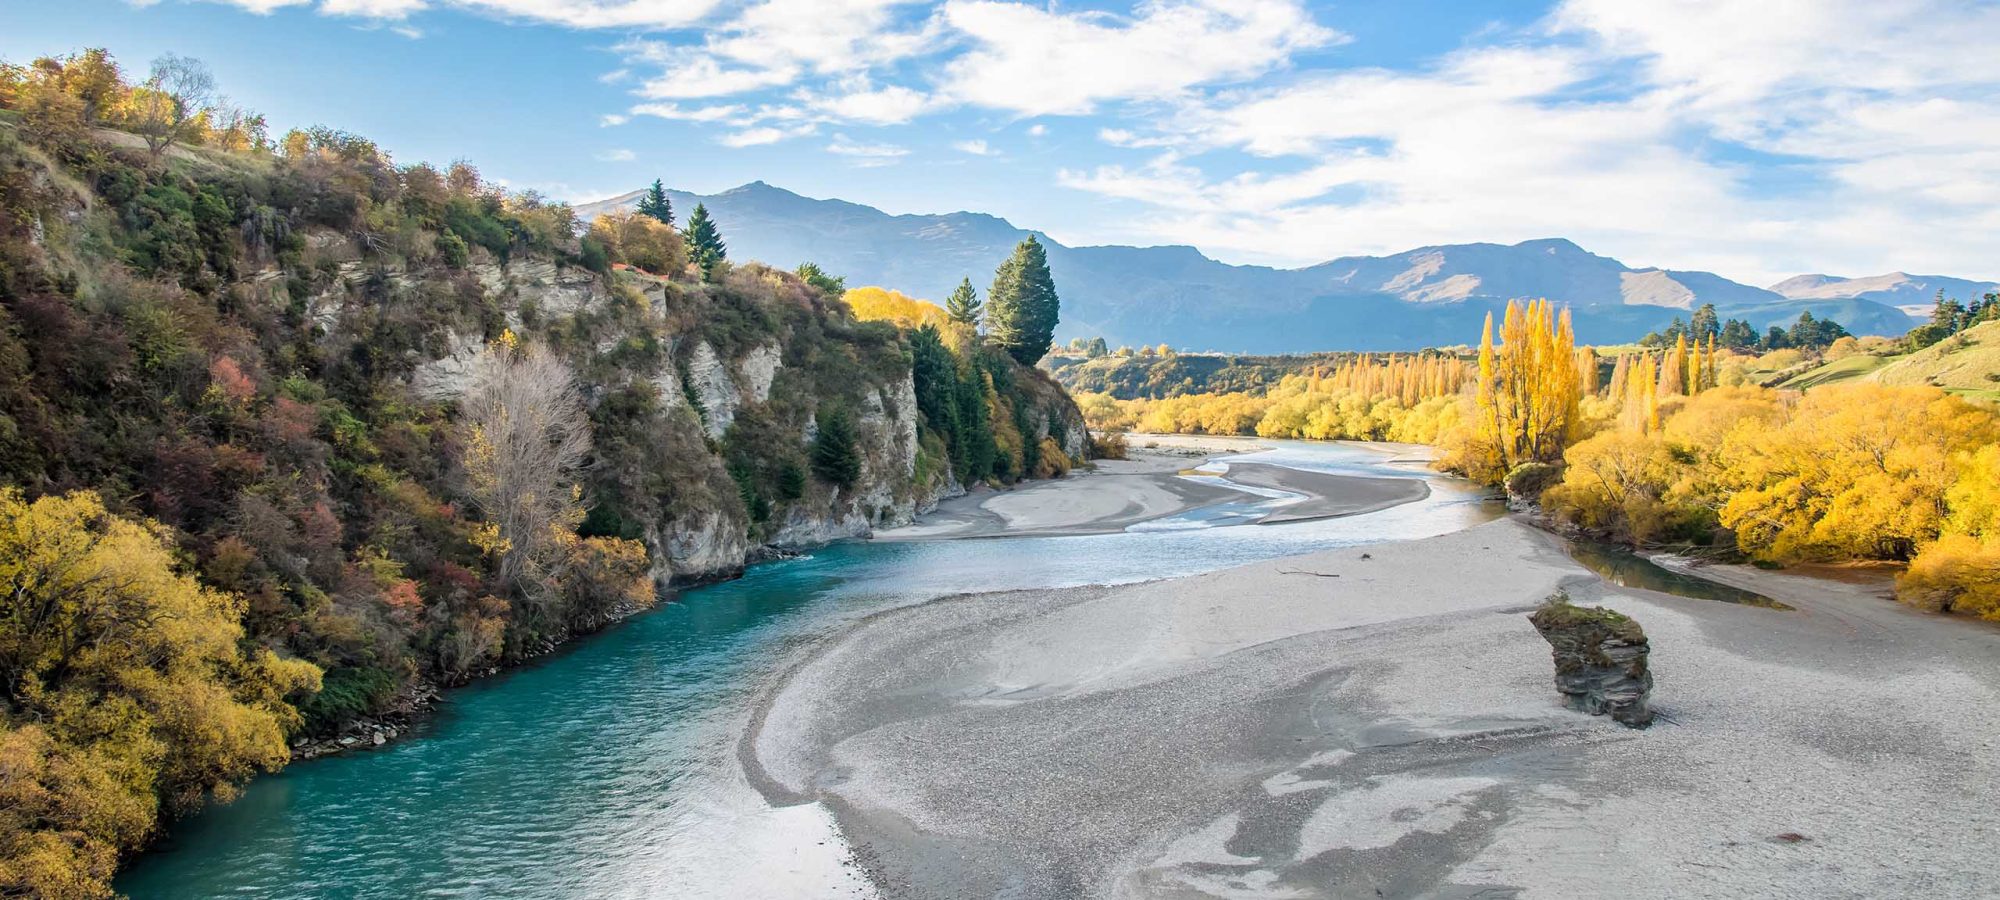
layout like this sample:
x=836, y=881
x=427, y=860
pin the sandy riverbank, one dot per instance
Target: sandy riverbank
x=1339, y=725
x=1155, y=484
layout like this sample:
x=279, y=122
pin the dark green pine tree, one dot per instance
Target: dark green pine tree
x=1704, y=324
x=834, y=457
x=704, y=243
x=656, y=204
x=1021, y=308
x=963, y=304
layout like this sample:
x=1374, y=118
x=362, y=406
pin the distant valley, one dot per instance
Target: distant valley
x=1173, y=294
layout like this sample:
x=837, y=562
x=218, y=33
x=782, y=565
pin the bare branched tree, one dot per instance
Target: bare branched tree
x=164, y=108
x=528, y=435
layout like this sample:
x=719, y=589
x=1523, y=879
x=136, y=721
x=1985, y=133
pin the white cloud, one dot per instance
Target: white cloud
x=892, y=105
x=612, y=120
x=674, y=111
x=1035, y=61
x=371, y=9
x=617, y=155
x=866, y=155
x=774, y=43
x=653, y=14
x=1637, y=129
x=691, y=74
x=764, y=134
x=1749, y=138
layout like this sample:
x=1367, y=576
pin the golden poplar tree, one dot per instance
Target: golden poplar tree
x=1529, y=390
x=1621, y=371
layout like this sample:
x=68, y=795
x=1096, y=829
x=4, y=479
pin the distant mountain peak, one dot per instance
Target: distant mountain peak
x=1554, y=245
x=1897, y=288
x=1427, y=296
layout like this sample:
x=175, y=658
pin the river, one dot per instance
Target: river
x=610, y=770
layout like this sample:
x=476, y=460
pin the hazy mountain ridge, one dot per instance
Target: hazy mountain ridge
x=1899, y=289
x=1421, y=297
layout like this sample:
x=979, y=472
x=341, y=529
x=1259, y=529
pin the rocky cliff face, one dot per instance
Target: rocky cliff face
x=734, y=378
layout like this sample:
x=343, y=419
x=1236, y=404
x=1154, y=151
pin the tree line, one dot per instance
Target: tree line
x=1679, y=446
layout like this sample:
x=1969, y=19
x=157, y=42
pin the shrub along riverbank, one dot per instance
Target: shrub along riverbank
x=1674, y=447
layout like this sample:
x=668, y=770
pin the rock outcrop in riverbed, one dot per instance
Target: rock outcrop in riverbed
x=1600, y=658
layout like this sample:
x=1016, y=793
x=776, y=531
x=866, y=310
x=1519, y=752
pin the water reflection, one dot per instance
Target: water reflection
x=1624, y=568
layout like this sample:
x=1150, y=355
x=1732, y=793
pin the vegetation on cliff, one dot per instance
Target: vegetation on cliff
x=287, y=427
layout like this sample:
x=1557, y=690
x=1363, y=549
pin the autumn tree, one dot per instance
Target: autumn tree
x=527, y=436
x=881, y=304
x=173, y=97
x=1527, y=394
x=1022, y=308
x=1855, y=471
x=1960, y=570
x=640, y=241
x=128, y=685
x=656, y=205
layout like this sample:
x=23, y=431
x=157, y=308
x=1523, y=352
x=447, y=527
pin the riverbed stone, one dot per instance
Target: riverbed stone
x=1600, y=657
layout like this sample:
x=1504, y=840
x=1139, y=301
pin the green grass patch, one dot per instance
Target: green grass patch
x=1849, y=369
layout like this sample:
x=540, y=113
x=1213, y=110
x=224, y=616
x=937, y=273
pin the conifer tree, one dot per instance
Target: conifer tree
x=834, y=457
x=704, y=242
x=1022, y=308
x=963, y=304
x=656, y=204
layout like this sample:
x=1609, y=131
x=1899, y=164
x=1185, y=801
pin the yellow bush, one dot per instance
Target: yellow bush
x=641, y=241
x=1619, y=481
x=881, y=304
x=129, y=684
x=1956, y=573
x=1050, y=460
x=1856, y=471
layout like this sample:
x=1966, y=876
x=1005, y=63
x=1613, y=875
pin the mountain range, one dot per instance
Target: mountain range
x=1429, y=296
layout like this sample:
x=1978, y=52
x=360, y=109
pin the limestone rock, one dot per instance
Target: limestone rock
x=758, y=369
x=714, y=387
x=1600, y=658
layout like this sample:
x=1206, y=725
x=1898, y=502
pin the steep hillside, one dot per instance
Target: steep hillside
x=402, y=428
x=1430, y=296
x=1968, y=362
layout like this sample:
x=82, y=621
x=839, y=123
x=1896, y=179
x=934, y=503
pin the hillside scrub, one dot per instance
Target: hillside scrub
x=384, y=425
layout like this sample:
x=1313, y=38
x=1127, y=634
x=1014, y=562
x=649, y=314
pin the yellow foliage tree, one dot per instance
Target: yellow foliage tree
x=128, y=686
x=1960, y=571
x=1856, y=471
x=641, y=241
x=881, y=304
x=1528, y=393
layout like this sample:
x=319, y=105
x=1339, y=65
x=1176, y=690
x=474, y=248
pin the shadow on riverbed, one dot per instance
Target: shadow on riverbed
x=1627, y=569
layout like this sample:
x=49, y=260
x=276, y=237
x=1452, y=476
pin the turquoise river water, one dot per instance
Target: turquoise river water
x=609, y=769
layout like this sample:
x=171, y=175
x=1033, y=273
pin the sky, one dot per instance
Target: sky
x=1755, y=138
